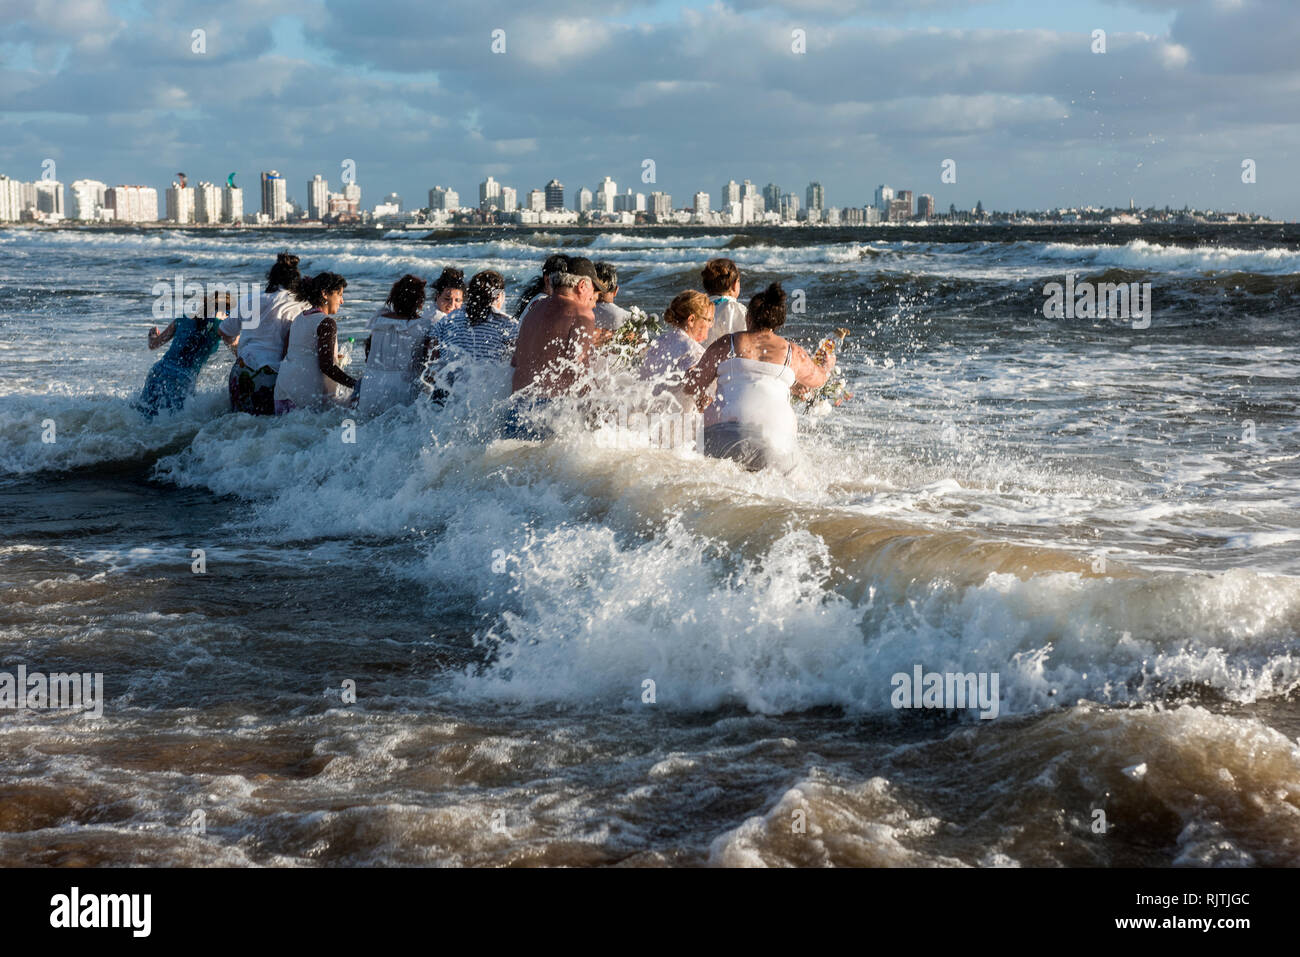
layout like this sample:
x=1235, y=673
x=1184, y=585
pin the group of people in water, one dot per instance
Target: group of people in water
x=719, y=356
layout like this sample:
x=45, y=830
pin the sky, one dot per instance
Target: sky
x=884, y=91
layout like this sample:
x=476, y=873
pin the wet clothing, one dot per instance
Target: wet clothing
x=669, y=358
x=171, y=380
x=302, y=381
x=260, y=351
x=751, y=420
x=492, y=339
x=728, y=317
x=393, y=367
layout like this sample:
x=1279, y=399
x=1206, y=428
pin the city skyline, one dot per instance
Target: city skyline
x=1037, y=111
x=739, y=204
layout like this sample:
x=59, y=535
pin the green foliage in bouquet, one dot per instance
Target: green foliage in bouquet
x=634, y=336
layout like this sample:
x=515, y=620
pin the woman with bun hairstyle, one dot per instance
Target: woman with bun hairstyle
x=260, y=346
x=310, y=374
x=751, y=420
x=399, y=347
x=670, y=357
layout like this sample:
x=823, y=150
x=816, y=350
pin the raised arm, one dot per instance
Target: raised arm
x=157, y=338
x=808, y=375
x=326, y=357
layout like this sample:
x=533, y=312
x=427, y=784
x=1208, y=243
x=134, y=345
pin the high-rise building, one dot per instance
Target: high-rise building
x=207, y=203
x=537, y=200
x=352, y=197
x=772, y=197
x=133, y=204
x=509, y=199
x=905, y=195
x=748, y=191
x=489, y=194
x=789, y=207
x=49, y=197
x=444, y=197
x=232, y=204
x=925, y=206
x=730, y=193
x=606, y=194
x=11, y=199
x=275, y=201
x=180, y=204
x=87, y=199
x=629, y=202
x=318, y=197
x=900, y=210
x=884, y=196
x=701, y=203
x=815, y=196
x=661, y=204
x=583, y=201
x=392, y=199
x=554, y=195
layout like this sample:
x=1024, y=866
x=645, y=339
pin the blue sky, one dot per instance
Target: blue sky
x=885, y=91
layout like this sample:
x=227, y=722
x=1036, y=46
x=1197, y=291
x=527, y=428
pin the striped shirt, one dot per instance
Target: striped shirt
x=493, y=339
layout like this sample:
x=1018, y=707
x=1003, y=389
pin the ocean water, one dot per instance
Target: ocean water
x=1105, y=517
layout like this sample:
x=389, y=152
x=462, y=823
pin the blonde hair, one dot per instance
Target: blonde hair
x=687, y=304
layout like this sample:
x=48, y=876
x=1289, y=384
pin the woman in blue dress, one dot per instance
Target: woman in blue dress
x=193, y=341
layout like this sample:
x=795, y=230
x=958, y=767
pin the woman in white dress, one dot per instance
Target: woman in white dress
x=399, y=347
x=751, y=420
x=670, y=357
x=310, y=374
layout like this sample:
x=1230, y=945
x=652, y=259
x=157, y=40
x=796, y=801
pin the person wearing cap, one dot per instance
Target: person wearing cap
x=554, y=350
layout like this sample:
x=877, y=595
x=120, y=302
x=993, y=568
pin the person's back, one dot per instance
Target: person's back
x=489, y=340
x=396, y=359
x=755, y=391
x=553, y=346
x=555, y=336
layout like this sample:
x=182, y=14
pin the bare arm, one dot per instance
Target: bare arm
x=704, y=372
x=157, y=338
x=326, y=358
x=808, y=375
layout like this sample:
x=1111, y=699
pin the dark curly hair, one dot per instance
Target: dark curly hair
x=406, y=298
x=767, y=309
x=314, y=289
x=284, y=274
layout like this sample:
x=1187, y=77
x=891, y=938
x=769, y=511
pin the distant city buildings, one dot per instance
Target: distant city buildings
x=87, y=200
x=537, y=200
x=489, y=194
x=701, y=203
x=815, y=197
x=318, y=197
x=582, y=201
x=772, y=197
x=180, y=204
x=925, y=206
x=275, y=200
x=661, y=205
x=232, y=204
x=606, y=194
x=133, y=204
x=509, y=199
x=554, y=196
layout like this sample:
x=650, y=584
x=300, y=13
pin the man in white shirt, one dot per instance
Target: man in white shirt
x=721, y=281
